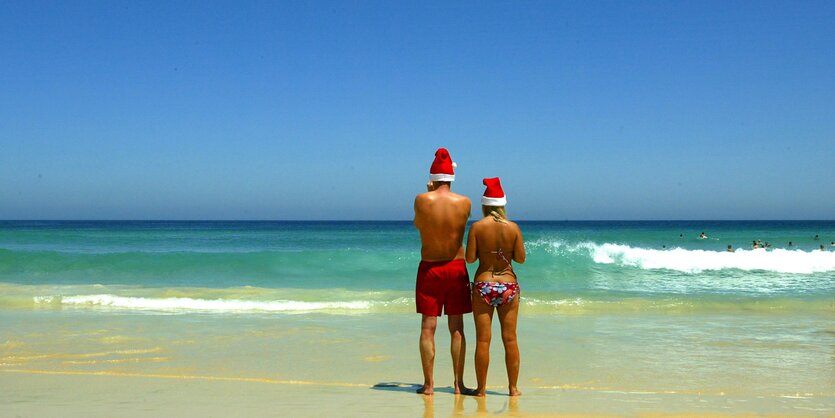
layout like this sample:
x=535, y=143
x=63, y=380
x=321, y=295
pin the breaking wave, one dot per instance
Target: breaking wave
x=696, y=261
x=203, y=305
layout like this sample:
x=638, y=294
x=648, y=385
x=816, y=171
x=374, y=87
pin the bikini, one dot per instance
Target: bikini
x=498, y=293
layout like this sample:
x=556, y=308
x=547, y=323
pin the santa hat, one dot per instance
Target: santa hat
x=494, y=195
x=443, y=169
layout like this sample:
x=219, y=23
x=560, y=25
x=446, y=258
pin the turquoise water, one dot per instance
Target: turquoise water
x=363, y=266
x=627, y=313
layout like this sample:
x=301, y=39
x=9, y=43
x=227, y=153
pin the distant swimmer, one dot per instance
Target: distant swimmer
x=790, y=244
x=767, y=245
x=663, y=247
x=817, y=237
x=730, y=248
x=832, y=244
x=681, y=235
x=755, y=245
x=702, y=235
x=822, y=249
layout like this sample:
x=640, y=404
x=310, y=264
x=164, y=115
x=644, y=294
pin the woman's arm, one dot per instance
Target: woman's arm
x=471, y=254
x=519, y=247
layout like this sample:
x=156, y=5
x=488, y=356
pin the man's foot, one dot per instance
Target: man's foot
x=475, y=392
x=463, y=390
x=515, y=392
x=426, y=390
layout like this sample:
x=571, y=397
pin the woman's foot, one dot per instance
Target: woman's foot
x=515, y=392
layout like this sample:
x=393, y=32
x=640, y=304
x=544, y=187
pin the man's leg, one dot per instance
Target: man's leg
x=428, y=324
x=458, y=349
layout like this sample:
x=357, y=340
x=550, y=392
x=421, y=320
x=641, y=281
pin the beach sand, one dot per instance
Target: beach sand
x=27, y=394
x=79, y=362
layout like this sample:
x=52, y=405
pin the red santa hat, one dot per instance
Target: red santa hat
x=494, y=195
x=443, y=169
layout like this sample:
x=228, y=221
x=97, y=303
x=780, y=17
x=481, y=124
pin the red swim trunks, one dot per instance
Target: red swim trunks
x=443, y=285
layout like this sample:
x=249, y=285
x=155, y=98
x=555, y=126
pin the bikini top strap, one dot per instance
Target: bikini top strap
x=500, y=255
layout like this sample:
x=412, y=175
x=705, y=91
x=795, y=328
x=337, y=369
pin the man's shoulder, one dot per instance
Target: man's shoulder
x=446, y=196
x=425, y=198
x=458, y=197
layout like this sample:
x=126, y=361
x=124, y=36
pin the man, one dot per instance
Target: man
x=443, y=284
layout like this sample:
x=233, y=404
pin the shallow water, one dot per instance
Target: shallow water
x=625, y=313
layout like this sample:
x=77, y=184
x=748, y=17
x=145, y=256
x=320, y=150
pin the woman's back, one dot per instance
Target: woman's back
x=495, y=242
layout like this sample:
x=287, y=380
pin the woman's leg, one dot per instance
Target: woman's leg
x=483, y=316
x=508, y=314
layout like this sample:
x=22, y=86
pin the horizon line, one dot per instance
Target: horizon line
x=410, y=220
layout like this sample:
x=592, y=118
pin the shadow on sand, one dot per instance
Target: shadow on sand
x=413, y=387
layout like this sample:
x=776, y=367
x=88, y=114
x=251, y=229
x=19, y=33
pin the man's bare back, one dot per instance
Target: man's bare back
x=441, y=217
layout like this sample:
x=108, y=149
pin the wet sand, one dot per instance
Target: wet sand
x=80, y=362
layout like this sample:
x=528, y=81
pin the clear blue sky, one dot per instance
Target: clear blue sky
x=333, y=110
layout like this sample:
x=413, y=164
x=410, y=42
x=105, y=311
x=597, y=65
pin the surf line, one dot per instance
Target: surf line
x=265, y=380
x=188, y=377
x=798, y=395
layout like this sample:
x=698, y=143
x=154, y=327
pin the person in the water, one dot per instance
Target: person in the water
x=755, y=245
x=495, y=242
x=703, y=235
x=730, y=248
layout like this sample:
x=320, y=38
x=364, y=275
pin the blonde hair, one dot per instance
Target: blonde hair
x=498, y=212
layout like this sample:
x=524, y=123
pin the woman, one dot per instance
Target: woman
x=494, y=242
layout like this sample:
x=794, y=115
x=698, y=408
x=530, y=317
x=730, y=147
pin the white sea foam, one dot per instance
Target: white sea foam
x=204, y=305
x=696, y=261
x=534, y=303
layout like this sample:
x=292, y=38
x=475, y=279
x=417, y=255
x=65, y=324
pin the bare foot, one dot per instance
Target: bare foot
x=515, y=392
x=463, y=390
x=425, y=390
x=477, y=392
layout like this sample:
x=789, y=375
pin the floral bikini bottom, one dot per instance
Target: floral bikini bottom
x=497, y=293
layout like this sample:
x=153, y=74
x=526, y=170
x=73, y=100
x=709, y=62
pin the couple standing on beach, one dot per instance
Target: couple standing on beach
x=443, y=284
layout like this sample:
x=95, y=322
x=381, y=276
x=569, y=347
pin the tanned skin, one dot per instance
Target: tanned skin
x=441, y=217
x=486, y=237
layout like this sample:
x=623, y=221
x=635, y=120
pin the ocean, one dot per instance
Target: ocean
x=370, y=266
x=641, y=311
